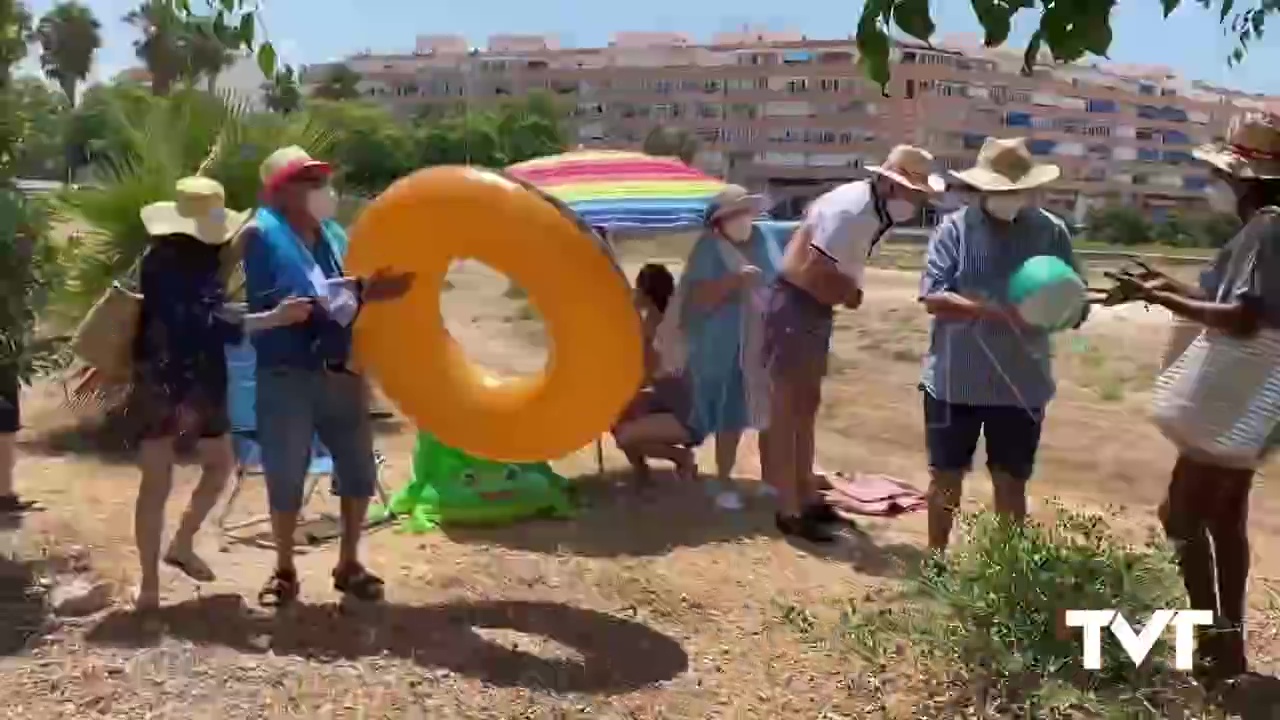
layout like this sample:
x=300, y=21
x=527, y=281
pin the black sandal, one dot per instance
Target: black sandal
x=356, y=582
x=281, y=589
x=15, y=504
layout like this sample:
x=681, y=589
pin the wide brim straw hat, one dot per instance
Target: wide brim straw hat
x=1006, y=165
x=732, y=200
x=198, y=210
x=287, y=164
x=1251, y=149
x=911, y=167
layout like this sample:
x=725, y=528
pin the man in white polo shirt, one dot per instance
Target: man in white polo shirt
x=823, y=267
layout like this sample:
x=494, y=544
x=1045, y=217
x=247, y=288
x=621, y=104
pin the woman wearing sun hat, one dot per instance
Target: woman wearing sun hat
x=712, y=331
x=987, y=373
x=1206, y=510
x=824, y=267
x=180, y=374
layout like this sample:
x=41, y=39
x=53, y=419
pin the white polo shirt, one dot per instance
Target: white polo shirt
x=847, y=223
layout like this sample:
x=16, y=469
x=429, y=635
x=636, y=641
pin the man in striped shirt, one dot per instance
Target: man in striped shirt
x=987, y=373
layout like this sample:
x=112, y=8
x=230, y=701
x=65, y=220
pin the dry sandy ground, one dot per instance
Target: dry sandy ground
x=636, y=609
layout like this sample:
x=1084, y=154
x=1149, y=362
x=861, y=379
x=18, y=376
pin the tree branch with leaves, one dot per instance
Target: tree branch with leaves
x=1068, y=29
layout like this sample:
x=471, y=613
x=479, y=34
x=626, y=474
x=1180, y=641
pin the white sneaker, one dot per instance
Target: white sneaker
x=729, y=500
x=765, y=490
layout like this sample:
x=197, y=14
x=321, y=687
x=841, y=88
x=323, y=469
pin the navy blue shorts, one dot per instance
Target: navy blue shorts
x=952, y=430
x=10, y=401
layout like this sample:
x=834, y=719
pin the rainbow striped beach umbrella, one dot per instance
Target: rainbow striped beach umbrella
x=622, y=190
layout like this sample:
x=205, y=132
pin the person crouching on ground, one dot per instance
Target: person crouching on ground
x=306, y=386
x=1206, y=510
x=657, y=423
x=823, y=267
x=180, y=371
x=987, y=373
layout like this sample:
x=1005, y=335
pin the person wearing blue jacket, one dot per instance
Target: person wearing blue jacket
x=306, y=386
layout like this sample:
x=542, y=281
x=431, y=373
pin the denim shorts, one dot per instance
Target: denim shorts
x=952, y=430
x=293, y=407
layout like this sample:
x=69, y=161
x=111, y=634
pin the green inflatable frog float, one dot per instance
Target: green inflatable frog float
x=451, y=487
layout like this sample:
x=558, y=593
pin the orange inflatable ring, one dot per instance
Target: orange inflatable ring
x=428, y=220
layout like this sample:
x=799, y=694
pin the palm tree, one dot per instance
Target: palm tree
x=68, y=36
x=163, y=47
x=340, y=84
x=208, y=52
x=282, y=93
x=672, y=142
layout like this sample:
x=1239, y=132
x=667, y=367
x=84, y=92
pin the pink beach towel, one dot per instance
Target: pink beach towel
x=876, y=495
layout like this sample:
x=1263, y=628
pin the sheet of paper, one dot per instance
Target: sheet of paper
x=341, y=300
x=320, y=284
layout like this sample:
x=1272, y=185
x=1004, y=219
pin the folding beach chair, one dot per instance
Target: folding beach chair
x=241, y=374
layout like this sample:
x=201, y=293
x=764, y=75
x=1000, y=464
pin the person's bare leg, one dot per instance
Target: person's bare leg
x=945, y=487
x=217, y=460
x=639, y=468
x=353, y=512
x=283, y=527
x=1183, y=515
x=155, y=459
x=780, y=464
x=726, y=454
x=1010, y=496
x=806, y=448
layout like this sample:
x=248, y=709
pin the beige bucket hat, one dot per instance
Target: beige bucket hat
x=730, y=200
x=1006, y=165
x=912, y=167
x=198, y=209
x=1251, y=150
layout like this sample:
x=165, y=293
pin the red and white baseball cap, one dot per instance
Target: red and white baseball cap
x=288, y=163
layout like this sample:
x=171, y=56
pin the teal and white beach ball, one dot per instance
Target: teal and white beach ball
x=1048, y=293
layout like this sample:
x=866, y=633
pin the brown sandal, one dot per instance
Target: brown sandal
x=356, y=582
x=280, y=590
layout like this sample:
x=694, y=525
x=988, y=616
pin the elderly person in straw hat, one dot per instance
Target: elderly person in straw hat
x=1207, y=507
x=824, y=266
x=180, y=373
x=987, y=373
x=711, y=332
x=306, y=385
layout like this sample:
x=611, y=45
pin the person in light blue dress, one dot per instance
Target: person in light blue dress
x=720, y=305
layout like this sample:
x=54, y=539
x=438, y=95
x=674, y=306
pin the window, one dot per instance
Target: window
x=1178, y=157
x=908, y=58
x=1017, y=119
x=1173, y=137
x=798, y=85
x=835, y=84
x=711, y=86
x=1149, y=112
x=911, y=89
x=1040, y=146
x=1195, y=182
x=973, y=141
x=1148, y=155
x=1145, y=134
x=1100, y=106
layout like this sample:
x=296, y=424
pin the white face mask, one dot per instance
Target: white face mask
x=1222, y=199
x=737, y=229
x=901, y=210
x=1005, y=206
x=322, y=203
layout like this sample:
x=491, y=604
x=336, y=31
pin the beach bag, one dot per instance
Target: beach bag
x=104, y=340
x=1221, y=398
x=1182, y=333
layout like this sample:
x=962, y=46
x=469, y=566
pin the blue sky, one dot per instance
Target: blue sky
x=309, y=31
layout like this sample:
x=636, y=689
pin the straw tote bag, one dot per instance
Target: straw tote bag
x=1221, y=397
x=104, y=339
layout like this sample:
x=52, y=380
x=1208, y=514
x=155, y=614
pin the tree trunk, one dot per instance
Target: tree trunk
x=69, y=88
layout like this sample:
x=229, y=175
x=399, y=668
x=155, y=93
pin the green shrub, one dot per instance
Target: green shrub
x=986, y=621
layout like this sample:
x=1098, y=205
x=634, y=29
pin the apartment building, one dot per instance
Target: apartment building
x=791, y=115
